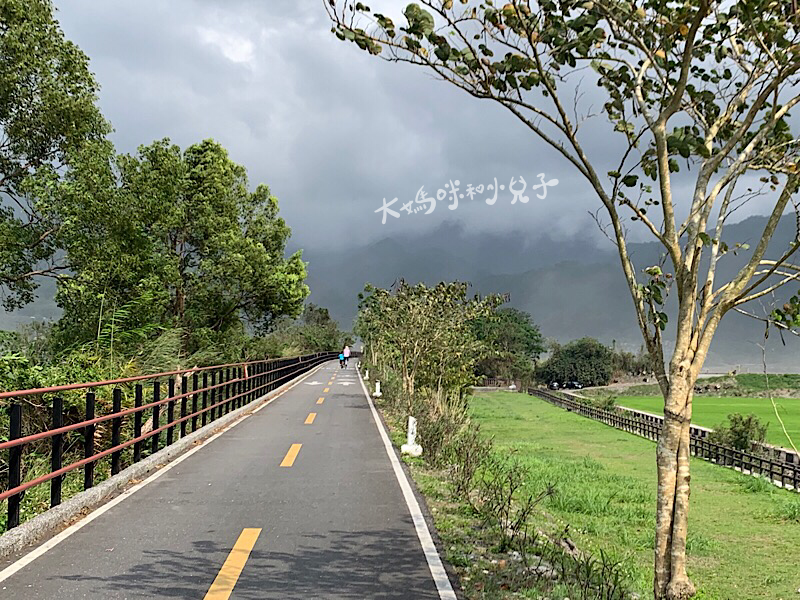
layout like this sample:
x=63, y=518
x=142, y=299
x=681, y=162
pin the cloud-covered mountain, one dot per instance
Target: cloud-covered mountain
x=572, y=287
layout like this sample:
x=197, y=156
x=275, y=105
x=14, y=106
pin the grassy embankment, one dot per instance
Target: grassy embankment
x=744, y=532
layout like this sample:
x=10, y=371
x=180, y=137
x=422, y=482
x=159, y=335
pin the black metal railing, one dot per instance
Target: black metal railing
x=783, y=473
x=112, y=413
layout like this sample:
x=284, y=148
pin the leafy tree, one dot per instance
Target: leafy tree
x=181, y=229
x=627, y=362
x=585, y=360
x=514, y=343
x=47, y=113
x=320, y=332
x=423, y=334
x=704, y=87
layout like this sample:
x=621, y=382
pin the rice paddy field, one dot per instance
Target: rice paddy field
x=710, y=411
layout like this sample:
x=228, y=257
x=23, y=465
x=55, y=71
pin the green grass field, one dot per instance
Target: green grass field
x=744, y=533
x=710, y=411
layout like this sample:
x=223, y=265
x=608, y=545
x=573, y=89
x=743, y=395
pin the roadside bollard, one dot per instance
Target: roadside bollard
x=377, y=392
x=411, y=447
x=366, y=375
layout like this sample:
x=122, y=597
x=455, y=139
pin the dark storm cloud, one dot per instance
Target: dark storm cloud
x=332, y=130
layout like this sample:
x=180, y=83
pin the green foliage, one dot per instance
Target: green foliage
x=789, y=510
x=313, y=331
x=424, y=334
x=789, y=314
x=47, y=114
x=740, y=432
x=513, y=342
x=585, y=360
x=180, y=232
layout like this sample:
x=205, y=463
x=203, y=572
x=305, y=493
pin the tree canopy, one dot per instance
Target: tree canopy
x=513, y=341
x=586, y=361
x=48, y=113
x=183, y=229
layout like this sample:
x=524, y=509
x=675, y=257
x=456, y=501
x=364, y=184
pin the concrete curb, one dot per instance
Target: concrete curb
x=50, y=522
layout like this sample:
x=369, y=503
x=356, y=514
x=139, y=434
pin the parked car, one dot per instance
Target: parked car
x=553, y=385
x=573, y=385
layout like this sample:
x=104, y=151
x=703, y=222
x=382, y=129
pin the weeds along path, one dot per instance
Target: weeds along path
x=744, y=533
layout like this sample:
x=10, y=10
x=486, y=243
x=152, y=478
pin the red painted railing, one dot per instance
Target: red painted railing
x=214, y=391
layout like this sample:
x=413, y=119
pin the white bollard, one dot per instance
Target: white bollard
x=377, y=392
x=366, y=375
x=411, y=447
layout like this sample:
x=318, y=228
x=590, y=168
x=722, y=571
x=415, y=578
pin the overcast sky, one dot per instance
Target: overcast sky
x=331, y=129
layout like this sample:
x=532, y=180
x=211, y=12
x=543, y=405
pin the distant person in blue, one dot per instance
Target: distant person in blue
x=341, y=360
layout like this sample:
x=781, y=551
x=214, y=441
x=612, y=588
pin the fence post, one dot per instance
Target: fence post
x=228, y=394
x=14, y=463
x=156, y=416
x=170, y=409
x=88, y=442
x=213, y=393
x=116, y=426
x=194, y=401
x=137, y=423
x=56, y=453
x=205, y=399
x=184, y=401
x=240, y=385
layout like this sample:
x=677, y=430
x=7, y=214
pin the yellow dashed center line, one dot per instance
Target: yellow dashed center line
x=310, y=418
x=228, y=575
x=326, y=390
x=291, y=455
x=321, y=400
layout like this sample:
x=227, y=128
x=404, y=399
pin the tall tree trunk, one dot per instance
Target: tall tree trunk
x=672, y=457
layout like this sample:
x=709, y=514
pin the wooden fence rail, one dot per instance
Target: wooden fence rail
x=782, y=473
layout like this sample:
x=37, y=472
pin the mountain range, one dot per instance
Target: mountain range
x=572, y=287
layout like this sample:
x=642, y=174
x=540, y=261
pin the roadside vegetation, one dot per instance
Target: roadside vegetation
x=533, y=501
x=422, y=344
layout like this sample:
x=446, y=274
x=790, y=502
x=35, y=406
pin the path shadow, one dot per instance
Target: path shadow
x=386, y=564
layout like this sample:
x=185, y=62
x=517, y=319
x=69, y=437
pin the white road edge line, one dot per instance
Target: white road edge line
x=57, y=539
x=435, y=565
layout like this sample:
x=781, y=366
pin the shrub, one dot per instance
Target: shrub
x=740, y=432
x=469, y=452
x=439, y=422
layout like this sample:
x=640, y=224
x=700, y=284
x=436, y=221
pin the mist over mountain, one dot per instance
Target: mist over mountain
x=572, y=287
